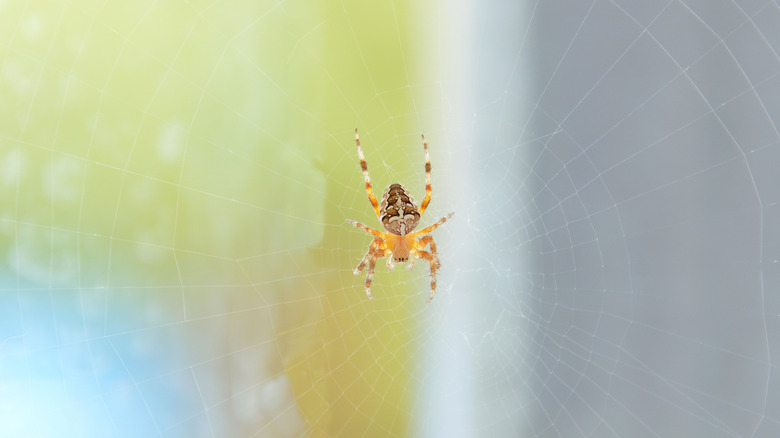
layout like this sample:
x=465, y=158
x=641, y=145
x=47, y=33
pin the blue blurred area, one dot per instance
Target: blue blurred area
x=58, y=377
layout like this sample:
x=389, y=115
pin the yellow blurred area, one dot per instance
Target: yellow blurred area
x=188, y=163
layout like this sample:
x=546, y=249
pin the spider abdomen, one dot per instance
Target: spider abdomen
x=398, y=212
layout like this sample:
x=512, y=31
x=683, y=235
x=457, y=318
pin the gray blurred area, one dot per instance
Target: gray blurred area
x=627, y=154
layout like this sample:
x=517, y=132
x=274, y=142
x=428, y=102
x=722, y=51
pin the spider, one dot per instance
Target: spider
x=399, y=215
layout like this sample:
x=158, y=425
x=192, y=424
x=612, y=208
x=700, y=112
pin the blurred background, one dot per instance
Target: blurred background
x=175, y=178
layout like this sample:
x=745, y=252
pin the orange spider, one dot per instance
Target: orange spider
x=399, y=215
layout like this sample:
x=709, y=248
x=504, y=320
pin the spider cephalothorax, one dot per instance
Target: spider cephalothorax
x=399, y=215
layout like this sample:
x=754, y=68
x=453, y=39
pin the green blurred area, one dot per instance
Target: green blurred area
x=183, y=144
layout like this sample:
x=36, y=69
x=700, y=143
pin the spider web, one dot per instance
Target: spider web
x=175, y=179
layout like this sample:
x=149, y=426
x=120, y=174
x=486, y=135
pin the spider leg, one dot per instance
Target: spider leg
x=428, y=240
x=364, y=166
x=427, y=256
x=378, y=252
x=427, y=198
x=371, y=250
x=367, y=229
x=390, y=263
x=430, y=228
x=410, y=266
